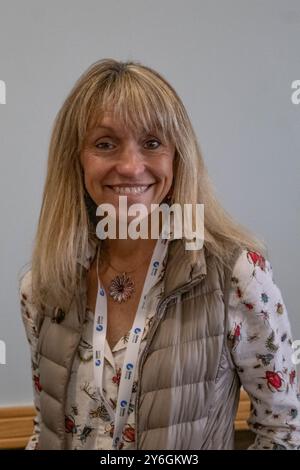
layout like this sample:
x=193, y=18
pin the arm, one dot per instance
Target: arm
x=29, y=317
x=261, y=348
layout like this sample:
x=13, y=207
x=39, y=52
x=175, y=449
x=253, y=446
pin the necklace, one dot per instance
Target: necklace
x=121, y=287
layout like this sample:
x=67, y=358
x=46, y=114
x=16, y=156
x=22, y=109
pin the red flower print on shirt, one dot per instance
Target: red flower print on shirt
x=235, y=335
x=37, y=384
x=275, y=380
x=256, y=259
x=248, y=305
x=129, y=433
x=70, y=425
x=116, y=378
x=292, y=376
x=239, y=292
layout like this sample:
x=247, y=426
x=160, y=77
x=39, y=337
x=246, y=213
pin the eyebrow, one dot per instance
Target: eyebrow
x=100, y=127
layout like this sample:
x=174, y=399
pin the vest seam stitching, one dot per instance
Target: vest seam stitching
x=186, y=342
x=199, y=294
x=175, y=424
x=51, y=360
x=51, y=396
x=177, y=386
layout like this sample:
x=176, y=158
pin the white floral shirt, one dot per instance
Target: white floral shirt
x=261, y=345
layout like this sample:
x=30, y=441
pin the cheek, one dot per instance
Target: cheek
x=170, y=161
x=169, y=170
x=92, y=167
x=165, y=166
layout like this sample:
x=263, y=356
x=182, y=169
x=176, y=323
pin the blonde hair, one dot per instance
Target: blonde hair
x=142, y=99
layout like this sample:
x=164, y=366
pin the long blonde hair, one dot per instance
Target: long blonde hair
x=142, y=99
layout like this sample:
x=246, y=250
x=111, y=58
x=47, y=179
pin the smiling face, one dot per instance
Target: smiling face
x=117, y=162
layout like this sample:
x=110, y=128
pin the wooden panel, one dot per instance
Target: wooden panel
x=243, y=412
x=16, y=423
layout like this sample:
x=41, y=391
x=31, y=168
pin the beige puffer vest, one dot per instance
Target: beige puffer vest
x=188, y=388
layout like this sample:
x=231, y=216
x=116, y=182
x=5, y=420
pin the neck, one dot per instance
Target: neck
x=125, y=251
x=129, y=249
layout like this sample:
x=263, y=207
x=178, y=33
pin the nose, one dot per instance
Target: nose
x=130, y=162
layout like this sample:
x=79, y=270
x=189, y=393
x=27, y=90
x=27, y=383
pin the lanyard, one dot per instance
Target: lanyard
x=119, y=416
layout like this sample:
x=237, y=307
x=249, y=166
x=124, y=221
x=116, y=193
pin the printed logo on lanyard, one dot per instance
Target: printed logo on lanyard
x=136, y=334
x=129, y=368
x=154, y=268
x=123, y=406
x=100, y=320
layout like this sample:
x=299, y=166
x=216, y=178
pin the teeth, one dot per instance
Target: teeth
x=130, y=190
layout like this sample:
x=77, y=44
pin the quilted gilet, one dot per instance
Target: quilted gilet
x=188, y=388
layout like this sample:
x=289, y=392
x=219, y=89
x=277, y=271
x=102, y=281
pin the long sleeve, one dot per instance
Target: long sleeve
x=261, y=346
x=29, y=316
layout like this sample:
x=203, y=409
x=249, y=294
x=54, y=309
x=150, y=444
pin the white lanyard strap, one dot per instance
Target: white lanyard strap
x=131, y=355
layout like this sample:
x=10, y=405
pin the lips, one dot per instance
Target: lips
x=131, y=184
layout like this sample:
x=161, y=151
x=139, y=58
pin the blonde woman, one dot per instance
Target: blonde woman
x=139, y=343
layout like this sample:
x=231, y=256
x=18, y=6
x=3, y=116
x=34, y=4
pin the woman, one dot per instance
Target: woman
x=129, y=357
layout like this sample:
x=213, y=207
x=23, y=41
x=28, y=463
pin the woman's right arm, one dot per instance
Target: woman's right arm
x=29, y=316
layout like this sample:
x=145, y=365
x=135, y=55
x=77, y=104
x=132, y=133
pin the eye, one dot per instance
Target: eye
x=154, y=140
x=104, y=145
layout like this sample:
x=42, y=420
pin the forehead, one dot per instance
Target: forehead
x=113, y=124
x=107, y=119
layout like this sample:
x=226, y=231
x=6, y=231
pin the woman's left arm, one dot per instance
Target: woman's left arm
x=261, y=347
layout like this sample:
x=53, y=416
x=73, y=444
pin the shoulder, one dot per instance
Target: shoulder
x=250, y=263
x=25, y=285
x=252, y=284
x=29, y=312
x=252, y=274
x=25, y=290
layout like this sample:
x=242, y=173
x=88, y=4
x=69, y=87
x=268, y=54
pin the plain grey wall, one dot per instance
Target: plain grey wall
x=231, y=61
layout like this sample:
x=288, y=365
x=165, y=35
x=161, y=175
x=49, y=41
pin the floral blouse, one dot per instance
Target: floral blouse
x=261, y=346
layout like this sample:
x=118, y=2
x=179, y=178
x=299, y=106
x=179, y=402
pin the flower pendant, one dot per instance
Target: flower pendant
x=121, y=288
